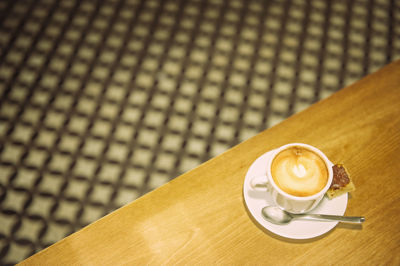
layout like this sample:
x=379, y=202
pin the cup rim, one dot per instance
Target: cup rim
x=328, y=163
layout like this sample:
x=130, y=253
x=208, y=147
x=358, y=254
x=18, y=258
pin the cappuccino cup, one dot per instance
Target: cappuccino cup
x=297, y=177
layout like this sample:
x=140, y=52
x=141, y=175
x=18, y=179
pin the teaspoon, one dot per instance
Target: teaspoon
x=278, y=216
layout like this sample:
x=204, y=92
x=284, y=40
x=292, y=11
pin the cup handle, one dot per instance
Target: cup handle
x=259, y=182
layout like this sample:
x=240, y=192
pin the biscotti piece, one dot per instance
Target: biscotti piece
x=341, y=182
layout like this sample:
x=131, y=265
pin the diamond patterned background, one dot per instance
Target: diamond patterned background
x=103, y=101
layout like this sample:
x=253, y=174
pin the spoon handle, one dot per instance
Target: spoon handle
x=325, y=217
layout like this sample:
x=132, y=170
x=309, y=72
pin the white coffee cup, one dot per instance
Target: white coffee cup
x=284, y=200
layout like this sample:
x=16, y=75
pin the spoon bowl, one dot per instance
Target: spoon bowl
x=276, y=215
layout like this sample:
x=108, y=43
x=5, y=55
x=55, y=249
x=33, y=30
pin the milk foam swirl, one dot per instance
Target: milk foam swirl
x=299, y=171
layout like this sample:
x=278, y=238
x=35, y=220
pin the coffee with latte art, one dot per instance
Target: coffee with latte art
x=299, y=171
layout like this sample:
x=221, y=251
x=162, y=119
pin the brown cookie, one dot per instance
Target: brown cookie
x=341, y=182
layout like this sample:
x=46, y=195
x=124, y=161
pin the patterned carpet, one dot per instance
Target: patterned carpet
x=104, y=101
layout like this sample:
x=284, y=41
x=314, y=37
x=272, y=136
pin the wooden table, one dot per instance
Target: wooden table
x=200, y=217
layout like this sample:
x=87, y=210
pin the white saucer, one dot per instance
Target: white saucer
x=297, y=229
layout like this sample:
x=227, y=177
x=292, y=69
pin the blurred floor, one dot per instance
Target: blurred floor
x=103, y=101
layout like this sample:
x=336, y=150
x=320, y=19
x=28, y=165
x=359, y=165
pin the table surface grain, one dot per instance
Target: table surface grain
x=200, y=217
